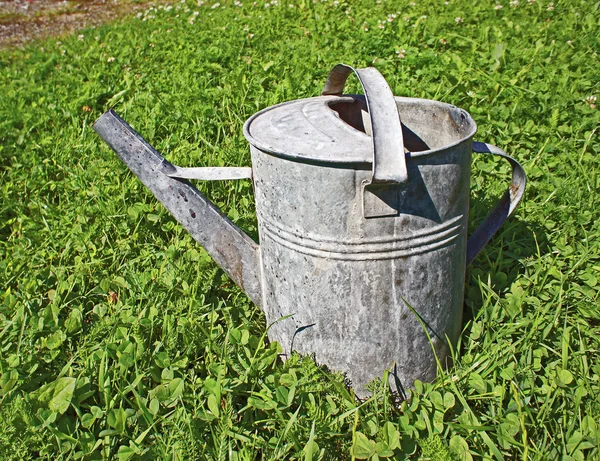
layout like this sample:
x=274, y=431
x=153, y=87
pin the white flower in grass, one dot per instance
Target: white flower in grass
x=550, y=6
x=591, y=101
x=216, y=5
x=498, y=7
x=80, y=37
x=459, y=20
x=514, y=3
x=111, y=59
x=401, y=54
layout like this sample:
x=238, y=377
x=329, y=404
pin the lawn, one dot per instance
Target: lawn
x=121, y=339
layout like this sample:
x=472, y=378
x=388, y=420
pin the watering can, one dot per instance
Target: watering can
x=362, y=204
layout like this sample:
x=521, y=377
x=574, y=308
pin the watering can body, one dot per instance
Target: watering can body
x=362, y=205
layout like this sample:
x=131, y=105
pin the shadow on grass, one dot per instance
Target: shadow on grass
x=503, y=260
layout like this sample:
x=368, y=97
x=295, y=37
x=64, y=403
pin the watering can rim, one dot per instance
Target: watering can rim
x=349, y=159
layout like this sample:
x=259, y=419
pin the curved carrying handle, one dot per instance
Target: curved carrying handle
x=389, y=161
x=503, y=208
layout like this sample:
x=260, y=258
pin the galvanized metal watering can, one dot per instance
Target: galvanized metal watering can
x=362, y=205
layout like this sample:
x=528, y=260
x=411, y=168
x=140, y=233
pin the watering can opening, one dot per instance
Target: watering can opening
x=353, y=110
x=426, y=125
x=337, y=129
x=433, y=125
x=422, y=121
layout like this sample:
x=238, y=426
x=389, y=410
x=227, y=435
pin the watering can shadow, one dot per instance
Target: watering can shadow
x=362, y=204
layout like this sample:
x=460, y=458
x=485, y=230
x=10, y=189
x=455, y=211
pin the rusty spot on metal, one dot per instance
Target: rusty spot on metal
x=231, y=253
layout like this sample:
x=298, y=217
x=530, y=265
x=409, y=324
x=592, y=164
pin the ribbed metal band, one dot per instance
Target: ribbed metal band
x=365, y=249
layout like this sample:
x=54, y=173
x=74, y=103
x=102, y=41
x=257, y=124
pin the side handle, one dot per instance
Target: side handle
x=228, y=245
x=503, y=209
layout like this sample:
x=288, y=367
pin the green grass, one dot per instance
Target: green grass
x=121, y=339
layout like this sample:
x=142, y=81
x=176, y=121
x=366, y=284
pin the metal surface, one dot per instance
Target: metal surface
x=389, y=163
x=233, y=250
x=503, y=208
x=206, y=173
x=356, y=289
x=357, y=266
x=312, y=130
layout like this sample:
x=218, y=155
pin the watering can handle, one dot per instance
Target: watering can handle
x=503, y=208
x=389, y=161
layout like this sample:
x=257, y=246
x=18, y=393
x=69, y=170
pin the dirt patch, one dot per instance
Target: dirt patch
x=22, y=21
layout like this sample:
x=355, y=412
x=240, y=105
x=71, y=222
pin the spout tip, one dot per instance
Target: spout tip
x=109, y=114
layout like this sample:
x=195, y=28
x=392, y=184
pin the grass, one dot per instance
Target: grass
x=121, y=339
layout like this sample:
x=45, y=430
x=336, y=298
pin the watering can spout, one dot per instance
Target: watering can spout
x=231, y=248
